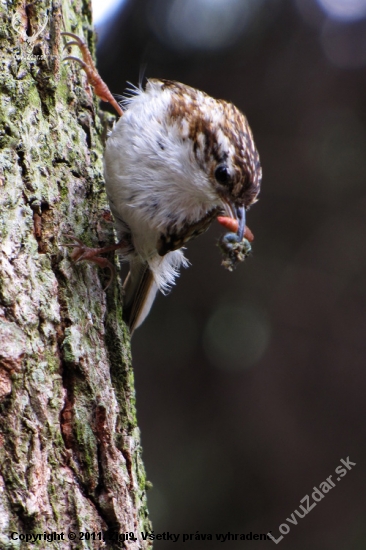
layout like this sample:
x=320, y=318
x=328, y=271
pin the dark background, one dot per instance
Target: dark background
x=251, y=385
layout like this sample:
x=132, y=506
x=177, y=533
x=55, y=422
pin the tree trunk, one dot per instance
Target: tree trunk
x=70, y=455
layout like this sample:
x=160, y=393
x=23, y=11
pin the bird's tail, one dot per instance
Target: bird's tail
x=144, y=280
x=139, y=294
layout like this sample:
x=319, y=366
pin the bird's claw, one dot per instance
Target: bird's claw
x=82, y=252
x=87, y=63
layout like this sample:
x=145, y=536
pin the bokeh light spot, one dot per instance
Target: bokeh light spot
x=236, y=337
x=345, y=10
x=201, y=24
x=103, y=9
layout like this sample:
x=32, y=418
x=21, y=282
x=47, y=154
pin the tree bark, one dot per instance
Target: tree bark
x=70, y=455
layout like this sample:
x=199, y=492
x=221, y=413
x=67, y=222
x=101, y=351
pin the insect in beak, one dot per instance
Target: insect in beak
x=235, y=221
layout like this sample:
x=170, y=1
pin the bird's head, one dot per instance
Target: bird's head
x=221, y=147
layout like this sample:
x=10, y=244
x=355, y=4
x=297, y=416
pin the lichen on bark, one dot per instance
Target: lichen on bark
x=70, y=455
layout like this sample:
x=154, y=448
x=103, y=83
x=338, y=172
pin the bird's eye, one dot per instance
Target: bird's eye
x=223, y=175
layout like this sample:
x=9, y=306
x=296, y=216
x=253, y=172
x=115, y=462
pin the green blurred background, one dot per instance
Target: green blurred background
x=251, y=385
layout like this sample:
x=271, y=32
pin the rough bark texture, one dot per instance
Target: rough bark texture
x=70, y=456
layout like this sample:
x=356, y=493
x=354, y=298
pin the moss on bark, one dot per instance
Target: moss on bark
x=70, y=455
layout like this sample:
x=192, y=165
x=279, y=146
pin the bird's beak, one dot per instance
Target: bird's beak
x=241, y=217
x=236, y=214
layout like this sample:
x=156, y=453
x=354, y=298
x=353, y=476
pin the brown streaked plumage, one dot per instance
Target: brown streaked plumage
x=187, y=106
x=175, y=160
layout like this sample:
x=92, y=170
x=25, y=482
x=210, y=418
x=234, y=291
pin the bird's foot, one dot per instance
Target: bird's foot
x=87, y=63
x=82, y=252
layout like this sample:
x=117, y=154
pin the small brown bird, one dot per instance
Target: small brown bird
x=176, y=160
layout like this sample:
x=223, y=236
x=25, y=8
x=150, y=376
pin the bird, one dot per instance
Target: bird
x=175, y=160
